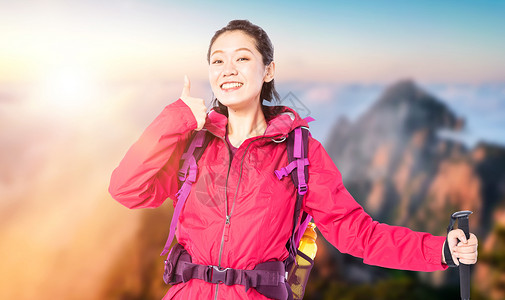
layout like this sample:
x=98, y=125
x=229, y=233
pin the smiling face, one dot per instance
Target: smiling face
x=236, y=70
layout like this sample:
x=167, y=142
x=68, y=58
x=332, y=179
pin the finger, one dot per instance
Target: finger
x=454, y=256
x=473, y=239
x=469, y=244
x=468, y=258
x=468, y=261
x=471, y=249
x=186, y=88
x=461, y=235
x=471, y=255
x=452, y=237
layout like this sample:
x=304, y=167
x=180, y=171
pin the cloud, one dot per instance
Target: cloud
x=320, y=94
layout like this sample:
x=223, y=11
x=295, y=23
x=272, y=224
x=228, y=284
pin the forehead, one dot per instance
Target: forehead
x=230, y=41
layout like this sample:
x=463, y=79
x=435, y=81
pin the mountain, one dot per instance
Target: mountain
x=398, y=166
x=397, y=135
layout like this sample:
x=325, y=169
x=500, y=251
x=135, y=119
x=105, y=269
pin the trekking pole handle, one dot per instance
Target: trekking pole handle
x=464, y=270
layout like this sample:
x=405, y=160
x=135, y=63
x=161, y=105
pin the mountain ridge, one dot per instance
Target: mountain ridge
x=403, y=173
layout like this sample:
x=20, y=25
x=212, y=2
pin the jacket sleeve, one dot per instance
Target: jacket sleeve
x=147, y=175
x=344, y=223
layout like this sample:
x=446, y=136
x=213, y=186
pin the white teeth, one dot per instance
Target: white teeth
x=231, y=85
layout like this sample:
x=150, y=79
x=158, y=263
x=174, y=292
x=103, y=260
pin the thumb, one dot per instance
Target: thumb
x=452, y=239
x=462, y=236
x=186, y=88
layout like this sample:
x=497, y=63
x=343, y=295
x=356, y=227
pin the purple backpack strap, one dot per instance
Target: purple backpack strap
x=309, y=119
x=187, y=175
x=268, y=278
x=297, y=148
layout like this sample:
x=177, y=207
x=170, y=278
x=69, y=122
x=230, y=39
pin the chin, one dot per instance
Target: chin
x=227, y=100
x=228, y=103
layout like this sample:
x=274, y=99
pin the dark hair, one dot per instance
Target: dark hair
x=265, y=47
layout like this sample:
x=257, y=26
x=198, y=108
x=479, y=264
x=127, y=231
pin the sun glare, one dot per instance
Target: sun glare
x=69, y=88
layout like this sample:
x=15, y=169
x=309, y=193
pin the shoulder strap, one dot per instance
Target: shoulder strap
x=192, y=154
x=297, y=148
x=187, y=176
x=299, y=154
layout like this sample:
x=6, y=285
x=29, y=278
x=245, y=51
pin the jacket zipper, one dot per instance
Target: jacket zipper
x=227, y=220
x=228, y=216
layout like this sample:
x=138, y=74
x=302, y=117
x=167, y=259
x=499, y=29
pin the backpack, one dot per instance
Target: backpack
x=297, y=151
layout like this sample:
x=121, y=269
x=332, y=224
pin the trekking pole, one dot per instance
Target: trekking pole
x=464, y=270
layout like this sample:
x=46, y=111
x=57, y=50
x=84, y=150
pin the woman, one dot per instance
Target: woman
x=238, y=213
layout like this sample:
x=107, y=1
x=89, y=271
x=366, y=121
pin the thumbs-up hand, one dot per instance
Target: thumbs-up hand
x=197, y=105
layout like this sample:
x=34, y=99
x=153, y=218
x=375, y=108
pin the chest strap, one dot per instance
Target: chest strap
x=267, y=278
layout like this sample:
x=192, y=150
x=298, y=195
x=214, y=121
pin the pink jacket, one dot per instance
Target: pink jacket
x=261, y=206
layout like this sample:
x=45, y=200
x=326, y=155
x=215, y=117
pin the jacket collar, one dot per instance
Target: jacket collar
x=279, y=125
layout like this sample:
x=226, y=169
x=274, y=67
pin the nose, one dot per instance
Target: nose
x=229, y=69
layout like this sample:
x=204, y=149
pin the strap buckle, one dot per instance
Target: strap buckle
x=181, y=175
x=218, y=275
x=281, y=173
x=302, y=188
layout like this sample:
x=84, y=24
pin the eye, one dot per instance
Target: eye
x=217, y=61
x=243, y=58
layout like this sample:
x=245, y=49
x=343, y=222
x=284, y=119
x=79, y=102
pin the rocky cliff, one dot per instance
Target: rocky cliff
x=395, y=162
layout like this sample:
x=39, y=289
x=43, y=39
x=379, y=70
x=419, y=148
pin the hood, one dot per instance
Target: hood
x=284, y=121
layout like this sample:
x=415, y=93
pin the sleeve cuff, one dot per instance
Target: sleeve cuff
x=433, y=251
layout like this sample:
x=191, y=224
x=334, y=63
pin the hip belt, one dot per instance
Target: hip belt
x=268, y=278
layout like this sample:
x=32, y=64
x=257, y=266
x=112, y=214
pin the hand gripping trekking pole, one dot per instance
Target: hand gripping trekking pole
x=464, y=270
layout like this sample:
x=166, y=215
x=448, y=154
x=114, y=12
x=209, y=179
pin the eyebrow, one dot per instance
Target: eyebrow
x=239, y=49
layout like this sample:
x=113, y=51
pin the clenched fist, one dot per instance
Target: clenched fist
x=461, y=248
x=197, y=105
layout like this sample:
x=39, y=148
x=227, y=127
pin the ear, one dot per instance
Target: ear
x=269, y=72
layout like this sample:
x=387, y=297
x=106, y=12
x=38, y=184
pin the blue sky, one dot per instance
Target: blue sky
x=336, y=41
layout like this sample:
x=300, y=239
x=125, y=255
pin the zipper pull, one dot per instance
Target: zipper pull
x=227, y=228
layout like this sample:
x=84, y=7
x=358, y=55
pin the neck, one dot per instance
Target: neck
x=245, y=123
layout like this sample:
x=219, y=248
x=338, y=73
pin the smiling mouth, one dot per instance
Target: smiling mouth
x=231, y=86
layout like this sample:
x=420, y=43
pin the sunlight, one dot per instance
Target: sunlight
x=70, y=88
